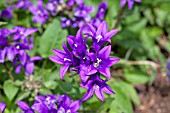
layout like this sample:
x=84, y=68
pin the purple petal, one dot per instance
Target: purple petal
x=35, y=58
x=122, y=2
x=63, y=70
x=108, y=90
x=75, y=105
x=130, y=4
x=2, y=106
x=18, y=69
x=93, y=30
x=88, y=95
x=29, y=68
x=105, y=72
x=110, y=34
x=10, y=53
x=23, y=106
x=113, y=61
x=56, y=59
x=23, y=57
x=91, y=70
x=99, y=93
x=30, y=31
x=105, y=52
x=102, y=28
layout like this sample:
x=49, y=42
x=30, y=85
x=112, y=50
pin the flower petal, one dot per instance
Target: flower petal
x=105, y=52
x=75, y=105
x=23, y=105
x=63, y=70
x=88, y=95
x=105, y=72
x=99, y=93
x=2, y=106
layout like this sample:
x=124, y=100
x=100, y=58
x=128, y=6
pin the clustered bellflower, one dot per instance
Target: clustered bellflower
x=7, y=13
x=130, y=3
x=48, y=104
x=14, y=45
x=89, y=61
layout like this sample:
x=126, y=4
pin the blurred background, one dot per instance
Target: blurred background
x=140, y=80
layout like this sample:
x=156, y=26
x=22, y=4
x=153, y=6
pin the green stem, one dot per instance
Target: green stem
x=119, y=16
x=9, y=72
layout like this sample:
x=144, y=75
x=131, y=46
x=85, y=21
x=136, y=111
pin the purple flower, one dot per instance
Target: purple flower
x=40, y=14
x=130, y=3
x=98, y=19
x=88, y=60
x=24, y=4
x=96, y=85
x=24, y=107
x=64, y=57
x=65, y=22
x=55, y=104
x=100, y=35
x=2, y=107
x=102, y=62
x=7, y=13
x=83, y=11
x=13, y=45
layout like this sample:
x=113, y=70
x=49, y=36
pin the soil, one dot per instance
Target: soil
x=154, y=98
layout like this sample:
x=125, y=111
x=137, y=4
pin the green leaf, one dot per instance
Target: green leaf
x=52, y=38
x=130, y=91
x=23, y=95
x=121, y=102
x=137, y=77
x=10, y=89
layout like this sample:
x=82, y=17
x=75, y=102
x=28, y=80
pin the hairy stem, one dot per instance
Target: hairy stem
x=119, y=16
x=9, y=72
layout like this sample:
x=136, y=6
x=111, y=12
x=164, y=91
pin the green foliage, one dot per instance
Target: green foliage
x=53, y=37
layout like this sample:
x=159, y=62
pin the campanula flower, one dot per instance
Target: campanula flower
x=7, y=13
x=100, y=35
x=64, y=57
x=24, y=107
x=96, y=85
x=40, y=14
x=102, y=62
x=130, y=3
x=24, y=4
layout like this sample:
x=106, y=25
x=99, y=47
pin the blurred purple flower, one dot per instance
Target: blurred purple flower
x=24, y=107
x=51, y=104
x=40, y=14
x=130, y=3
x=7, y=13
x=97, y=20
x=24, y=4
x=96, y=85
x=13, y=44
x=2, y=107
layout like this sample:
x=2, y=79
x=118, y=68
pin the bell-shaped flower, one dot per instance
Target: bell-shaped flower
x=96, y=85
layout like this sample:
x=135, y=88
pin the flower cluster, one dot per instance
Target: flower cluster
x=81, y=15
x=73, y=13
x=89, y=60
x=48, y=104
x=14, y=45
x=130, y=3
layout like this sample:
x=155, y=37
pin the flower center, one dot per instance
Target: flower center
x=98, y=38
x=66, y=59
x=97, y=63
x=18, y=47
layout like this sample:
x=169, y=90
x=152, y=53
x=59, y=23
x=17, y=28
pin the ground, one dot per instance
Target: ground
x=154, y=98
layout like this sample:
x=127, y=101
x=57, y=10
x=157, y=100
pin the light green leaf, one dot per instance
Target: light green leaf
x=52, y=38
x=10, y=89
